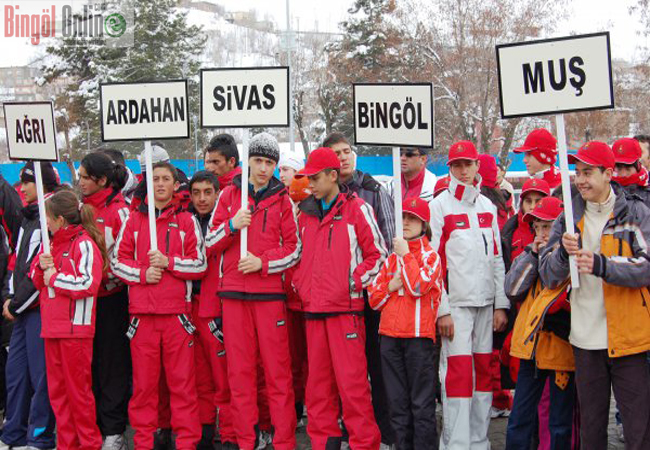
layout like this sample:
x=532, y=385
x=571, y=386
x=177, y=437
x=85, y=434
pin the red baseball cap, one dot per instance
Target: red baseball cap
x=594, y=153
x=627, y=151
x=539, y=139
x=417, y=207
x=535, y=185
x=548, y=209
x=320, y=159
x=462, y=150
x=441, y=185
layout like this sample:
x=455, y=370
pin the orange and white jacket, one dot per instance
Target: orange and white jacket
x=412, y=314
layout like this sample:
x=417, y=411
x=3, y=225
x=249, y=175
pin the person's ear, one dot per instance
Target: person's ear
x=232, y=163
x=177, y=185
x=103, y=181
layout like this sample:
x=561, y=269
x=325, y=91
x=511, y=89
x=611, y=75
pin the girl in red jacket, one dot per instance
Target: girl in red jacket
x=72, y=272
x=407, y=292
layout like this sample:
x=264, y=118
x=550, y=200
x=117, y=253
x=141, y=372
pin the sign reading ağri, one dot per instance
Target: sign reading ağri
x=31, y=133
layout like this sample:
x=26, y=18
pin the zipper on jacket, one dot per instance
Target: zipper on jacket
x=329, y=238
x=167, y=240
x=485, y=242
x=266, y=210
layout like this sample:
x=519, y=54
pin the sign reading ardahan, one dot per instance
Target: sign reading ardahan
x=555, y=75
x=393, y=114
x=30, y=130
x=136, y=111
x=245, y=97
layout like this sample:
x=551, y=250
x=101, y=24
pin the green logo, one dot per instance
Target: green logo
x=115, y=25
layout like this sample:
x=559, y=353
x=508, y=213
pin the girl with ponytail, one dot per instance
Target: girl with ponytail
x=68, y=279
x=101, y=181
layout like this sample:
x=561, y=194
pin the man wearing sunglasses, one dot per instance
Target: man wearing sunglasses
x=417, y=181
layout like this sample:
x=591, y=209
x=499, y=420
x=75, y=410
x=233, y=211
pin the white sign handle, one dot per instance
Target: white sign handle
x=566, y=194
x=243, y=249
x=397, y=199
x=151, y=202
x=45, y=237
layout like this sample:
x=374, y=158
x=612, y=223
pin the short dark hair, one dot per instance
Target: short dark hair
x=644, y=138
x=224, y=144
x=166, y=165
x=204, y=175
x=116, y=155
x=334, y=138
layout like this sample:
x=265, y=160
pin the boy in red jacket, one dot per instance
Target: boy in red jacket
x=343, y=251
x=159, y=296
x=253, y=296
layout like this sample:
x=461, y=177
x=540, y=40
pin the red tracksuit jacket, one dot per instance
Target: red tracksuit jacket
x=341, y=255
x=110, y=213
x=179, y=238
x=205, y=289
x=79, y=263
x=272, y=236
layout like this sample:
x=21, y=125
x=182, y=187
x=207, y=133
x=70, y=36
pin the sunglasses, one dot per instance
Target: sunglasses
x=409, y=154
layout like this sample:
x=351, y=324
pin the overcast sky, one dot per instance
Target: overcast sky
x=586, y=16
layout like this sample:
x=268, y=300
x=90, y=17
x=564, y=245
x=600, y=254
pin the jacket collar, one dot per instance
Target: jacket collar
x=272, y=188
x=621, y=205
x=30, y=212
x=172, y=208
x=227, y=179
x=66, y=234
x=101, y=198
x=311, y=207
x=418, y=245
x=465, y=193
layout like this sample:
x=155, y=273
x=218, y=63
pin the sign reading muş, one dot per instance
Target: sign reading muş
x=31, y=133
x=135, y=111
x=246, y=97
x=555, y=75
x=399, y=114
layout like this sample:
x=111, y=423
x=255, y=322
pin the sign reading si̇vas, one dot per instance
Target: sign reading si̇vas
x=393, y=114
x=555, y=75
x=136, y=111
x=245, y=97
x=30, y=130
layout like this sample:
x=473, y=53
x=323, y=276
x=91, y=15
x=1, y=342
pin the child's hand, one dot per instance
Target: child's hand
x=400, y=246
x=5, y=311
x=47, y=276
x=500, y=319
x=157, y=259
x=395, y=283
x=46, y=261
x=153, y=275
x=539, y=243
x=242, y=219
x=446, y=327
x=570, y=243
x=249, y=264
x=585, y=261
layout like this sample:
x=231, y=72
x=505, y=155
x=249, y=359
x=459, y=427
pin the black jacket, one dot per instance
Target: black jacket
x=10, y=206
x=19, y=287
x=373, y=193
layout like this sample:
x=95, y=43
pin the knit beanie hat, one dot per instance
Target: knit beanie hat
x=158, y=154
x=264, y=144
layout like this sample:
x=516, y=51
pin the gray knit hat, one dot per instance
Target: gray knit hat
x=158, y=154
x=264, y=144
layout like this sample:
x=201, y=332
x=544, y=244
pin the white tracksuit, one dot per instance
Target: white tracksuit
x=466, y=235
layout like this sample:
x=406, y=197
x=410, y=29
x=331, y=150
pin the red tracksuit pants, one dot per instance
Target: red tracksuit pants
x=253, y=328
x=338, y=368
x=69, y=383
x=298, y=352
x=161, y=340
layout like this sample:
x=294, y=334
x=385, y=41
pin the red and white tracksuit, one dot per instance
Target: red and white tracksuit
x=161, y=327
x=68, y=327
x=466, y=236
x=343, y=251
x=254, y=310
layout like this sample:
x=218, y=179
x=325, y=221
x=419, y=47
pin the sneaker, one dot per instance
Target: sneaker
x=4, y=446
x=264, y=439
x=114, y=442
x=496, y=413
x=619, y=432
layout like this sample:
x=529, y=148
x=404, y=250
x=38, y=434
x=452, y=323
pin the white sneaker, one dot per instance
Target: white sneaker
x=4, y=446
x=496, y=413
x=114, y=442
x=264, y=440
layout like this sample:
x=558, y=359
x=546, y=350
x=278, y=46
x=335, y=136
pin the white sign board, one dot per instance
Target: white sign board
x=555, y=75
x=393, y=114
x=31, y=133
x=144, y=111
x=245, y=97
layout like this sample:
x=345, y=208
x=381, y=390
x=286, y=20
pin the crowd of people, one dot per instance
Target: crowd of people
x=331, y=317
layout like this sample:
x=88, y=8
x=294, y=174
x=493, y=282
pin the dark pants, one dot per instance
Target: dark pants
x=377, y=385
x=596, y=375
x=29, y=418
x=111, y=364
x=408, y=373
x=522, y=421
